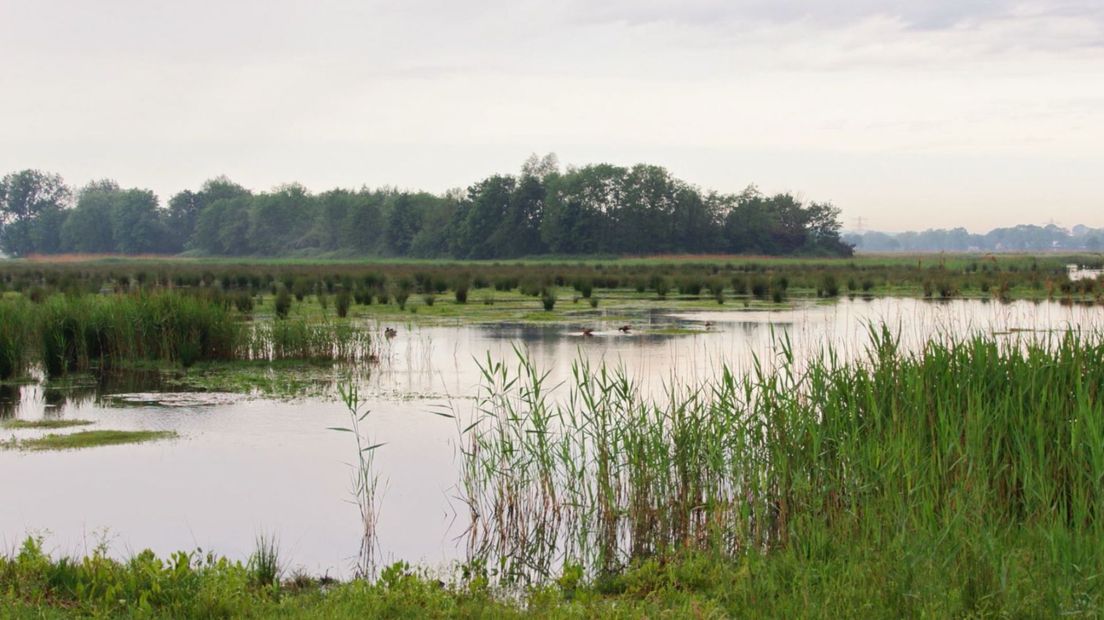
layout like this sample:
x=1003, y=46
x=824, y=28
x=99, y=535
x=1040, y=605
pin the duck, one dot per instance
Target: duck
x=390, y=332
x=588, y=332
x=624, y=329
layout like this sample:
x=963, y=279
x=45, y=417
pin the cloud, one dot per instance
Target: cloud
x=277, y=90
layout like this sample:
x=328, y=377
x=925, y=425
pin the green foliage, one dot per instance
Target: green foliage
x=79, y=333
x=14, y=342
x=282, y=303
x=599, y=209
x=342, y=301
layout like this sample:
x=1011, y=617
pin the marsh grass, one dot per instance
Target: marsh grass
x=92, y=439
x=77, y=334
x=14, y=317
x=264, y=563
x=44, y=424
x=365, y=479
x=964, y=438
x=300, y=339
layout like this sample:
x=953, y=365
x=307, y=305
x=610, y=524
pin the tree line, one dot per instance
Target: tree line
x=1022, y=238
x=591, y=210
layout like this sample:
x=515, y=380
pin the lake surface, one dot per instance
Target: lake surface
x=247, y=465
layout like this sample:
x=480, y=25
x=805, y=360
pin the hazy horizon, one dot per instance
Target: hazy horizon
x=976, y=114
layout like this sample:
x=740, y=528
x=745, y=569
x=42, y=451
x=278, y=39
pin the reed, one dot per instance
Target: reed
x=961, y=438
x=81, y=333
x=15, y=318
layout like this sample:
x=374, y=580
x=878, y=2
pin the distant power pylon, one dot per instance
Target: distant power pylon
x=860, y=224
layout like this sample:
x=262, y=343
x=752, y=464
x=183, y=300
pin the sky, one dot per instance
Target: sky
x=906, y=114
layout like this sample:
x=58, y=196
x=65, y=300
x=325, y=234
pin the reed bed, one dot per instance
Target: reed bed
x=79, y=333
x=720, y=277
x=962, y=438
x=14, y=354
x=302, y=340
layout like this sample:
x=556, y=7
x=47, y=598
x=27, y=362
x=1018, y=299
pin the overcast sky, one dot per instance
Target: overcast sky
x=907, y=113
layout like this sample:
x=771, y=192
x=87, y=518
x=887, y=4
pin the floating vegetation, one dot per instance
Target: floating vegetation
x=961, y=437
x=46, y=423
x=90, y=439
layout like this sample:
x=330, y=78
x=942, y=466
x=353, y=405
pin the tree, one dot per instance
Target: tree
x=88, y=229
x=363, y=224
x=402, y=221
x=482, y=223
x=280, y=219
x=185, y=207
x=24, y=197
x=136, y=224
x=579, y=210
x=222, y=228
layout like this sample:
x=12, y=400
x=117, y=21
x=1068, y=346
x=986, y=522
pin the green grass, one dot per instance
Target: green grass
x=92, y=439
x=47, y=424
x=78, y=333
x=924, y=578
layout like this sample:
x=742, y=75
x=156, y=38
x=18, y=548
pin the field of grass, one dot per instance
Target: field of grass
x=397, y=281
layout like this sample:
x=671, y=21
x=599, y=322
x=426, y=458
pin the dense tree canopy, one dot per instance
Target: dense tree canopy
x=596, y=209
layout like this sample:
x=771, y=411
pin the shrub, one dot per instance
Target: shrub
x=342, y=302
x=282, y=304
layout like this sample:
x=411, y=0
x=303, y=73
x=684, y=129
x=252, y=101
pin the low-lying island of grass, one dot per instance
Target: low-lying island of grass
x=89, y=439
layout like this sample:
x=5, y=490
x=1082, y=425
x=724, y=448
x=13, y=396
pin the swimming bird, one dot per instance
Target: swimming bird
x=624, y=329
x=588, y=332
x=390, y=332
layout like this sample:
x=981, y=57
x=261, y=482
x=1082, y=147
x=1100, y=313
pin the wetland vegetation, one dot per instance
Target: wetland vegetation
x=959, y=477
x=89, y=439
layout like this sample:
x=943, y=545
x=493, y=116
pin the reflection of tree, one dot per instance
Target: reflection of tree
x=10, y=395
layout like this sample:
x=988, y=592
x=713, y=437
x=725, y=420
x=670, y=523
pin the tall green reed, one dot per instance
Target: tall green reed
x=959, y=437
x=365, y=479
x=15, y=317
x=79, y=333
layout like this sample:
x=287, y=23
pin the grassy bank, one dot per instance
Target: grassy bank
x=1004, y=576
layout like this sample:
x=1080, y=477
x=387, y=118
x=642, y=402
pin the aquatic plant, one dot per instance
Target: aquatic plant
x=15, y=319
x=365, y=478
x=958, y=438
x=264, y=563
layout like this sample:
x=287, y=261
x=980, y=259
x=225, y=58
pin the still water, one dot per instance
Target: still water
x=247, y=465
